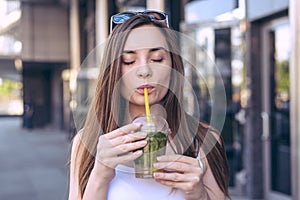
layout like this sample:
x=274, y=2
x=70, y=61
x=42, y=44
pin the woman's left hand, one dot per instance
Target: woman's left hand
x=183, y=173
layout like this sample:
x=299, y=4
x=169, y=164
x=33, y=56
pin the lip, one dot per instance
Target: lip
x=140, y=89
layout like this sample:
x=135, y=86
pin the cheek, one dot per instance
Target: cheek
x=164, y=77
x=127, y=85
x=164, y=82
x=163, y=93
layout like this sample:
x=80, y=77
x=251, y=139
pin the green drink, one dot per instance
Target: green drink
x=157, y=132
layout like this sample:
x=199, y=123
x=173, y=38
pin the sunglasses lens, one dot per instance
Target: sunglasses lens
x=156, y=15
x=122, y=17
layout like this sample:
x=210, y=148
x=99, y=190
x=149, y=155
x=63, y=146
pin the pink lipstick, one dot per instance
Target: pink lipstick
x=140, y=89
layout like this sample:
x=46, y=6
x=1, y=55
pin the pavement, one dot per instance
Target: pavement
x=33, y=163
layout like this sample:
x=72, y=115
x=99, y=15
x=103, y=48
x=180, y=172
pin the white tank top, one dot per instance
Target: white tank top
x=125, y=186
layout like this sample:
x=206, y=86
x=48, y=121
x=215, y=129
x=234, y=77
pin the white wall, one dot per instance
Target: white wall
x=207, y=10
x=261, y=8
x=44, y=33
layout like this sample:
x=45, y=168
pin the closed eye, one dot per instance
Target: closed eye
x=128, y=63
x=157, y=60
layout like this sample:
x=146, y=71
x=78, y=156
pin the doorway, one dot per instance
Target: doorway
x=276, y=109
x=37, y=86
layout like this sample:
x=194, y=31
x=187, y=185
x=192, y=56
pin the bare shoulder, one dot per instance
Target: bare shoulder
x=76, y=141
x=74, y=163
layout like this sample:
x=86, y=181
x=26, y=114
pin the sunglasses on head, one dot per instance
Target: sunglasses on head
x=124, y=16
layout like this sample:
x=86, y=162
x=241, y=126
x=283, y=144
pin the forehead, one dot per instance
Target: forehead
x=145, y=37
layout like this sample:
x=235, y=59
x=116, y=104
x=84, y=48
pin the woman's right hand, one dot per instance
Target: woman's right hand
x=118, y=147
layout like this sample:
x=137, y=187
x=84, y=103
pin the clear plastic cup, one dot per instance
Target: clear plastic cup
x=157, y=130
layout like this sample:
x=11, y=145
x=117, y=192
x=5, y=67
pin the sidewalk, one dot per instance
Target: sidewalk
x=32, y=163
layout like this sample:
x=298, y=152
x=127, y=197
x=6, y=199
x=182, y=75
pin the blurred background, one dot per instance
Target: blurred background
x=254, y=44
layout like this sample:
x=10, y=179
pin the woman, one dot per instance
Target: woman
x=143, y=51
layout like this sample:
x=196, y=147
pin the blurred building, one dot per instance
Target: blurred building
x=45, y=53
x=10, y=49
x=268, y=152
x=34, y=49
x=260, y=42
x=254, y=45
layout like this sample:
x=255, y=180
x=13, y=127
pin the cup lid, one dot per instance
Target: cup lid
x=157, y=121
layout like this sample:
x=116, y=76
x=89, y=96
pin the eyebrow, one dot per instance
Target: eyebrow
x=151, y=50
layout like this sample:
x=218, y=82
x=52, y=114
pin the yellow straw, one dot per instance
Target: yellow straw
x=147, y=105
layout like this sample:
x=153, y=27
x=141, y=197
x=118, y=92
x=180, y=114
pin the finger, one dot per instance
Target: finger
x=128, y=138
x=113, y=161
x=178, y=158
x=178, y=166
x=131, y=156
x=126, y=148
x=123, y=130
x=177, y=177
x=184, y=186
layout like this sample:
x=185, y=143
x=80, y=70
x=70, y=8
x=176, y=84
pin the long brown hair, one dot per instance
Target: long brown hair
x=107, y=109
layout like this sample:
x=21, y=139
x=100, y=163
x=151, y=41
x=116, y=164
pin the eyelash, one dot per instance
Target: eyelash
x=128, y=63
x=157, y=60
x=152, y=60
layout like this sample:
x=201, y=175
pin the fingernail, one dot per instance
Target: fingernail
x=137, y=124
x=157, y=175
x=159, y=158
x=138, y=152
x=156, y=165
x=143, y=142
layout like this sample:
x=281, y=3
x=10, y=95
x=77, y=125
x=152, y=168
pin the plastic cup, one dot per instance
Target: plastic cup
x=157, y=131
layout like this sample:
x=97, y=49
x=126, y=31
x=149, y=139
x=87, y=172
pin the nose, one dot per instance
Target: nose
x=144, y=71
